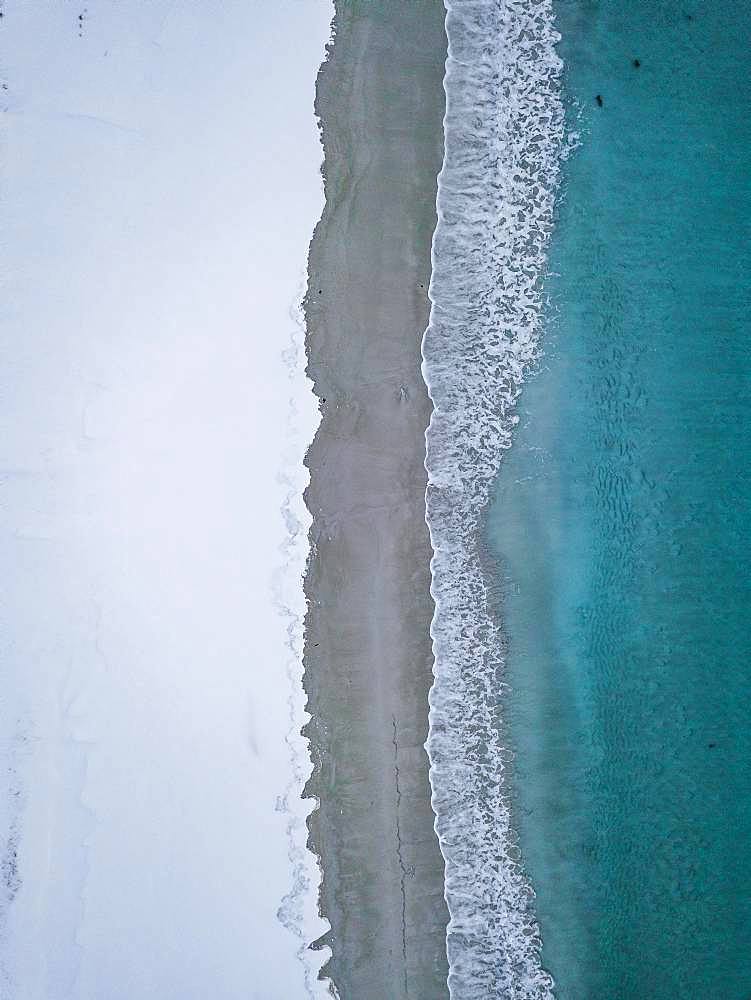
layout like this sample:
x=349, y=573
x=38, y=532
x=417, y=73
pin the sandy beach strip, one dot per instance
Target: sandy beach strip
x=368, y=658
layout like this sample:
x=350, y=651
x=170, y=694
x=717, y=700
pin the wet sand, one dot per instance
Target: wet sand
x=368, y=658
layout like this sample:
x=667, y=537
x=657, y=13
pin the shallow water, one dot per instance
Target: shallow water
x=503, y=131
x=622, y=514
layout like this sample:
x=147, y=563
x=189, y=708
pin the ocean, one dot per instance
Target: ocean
x=589, y=737
x=504, y=134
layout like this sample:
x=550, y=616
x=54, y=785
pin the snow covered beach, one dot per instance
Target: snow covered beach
x=155, y=222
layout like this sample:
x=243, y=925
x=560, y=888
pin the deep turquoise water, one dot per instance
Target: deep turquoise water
x=622, y=517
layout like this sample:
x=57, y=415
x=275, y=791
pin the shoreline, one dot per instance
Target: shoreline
x=368, y=653
x=504, y=131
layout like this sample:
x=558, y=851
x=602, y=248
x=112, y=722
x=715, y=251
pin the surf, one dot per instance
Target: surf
x=504, y=135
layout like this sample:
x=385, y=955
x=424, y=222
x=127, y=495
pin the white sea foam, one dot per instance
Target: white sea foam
x=504, y=137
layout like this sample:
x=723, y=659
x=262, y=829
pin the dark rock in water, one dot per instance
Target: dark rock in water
x=599, y=100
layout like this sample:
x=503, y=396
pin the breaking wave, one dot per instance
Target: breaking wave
x=504, y=141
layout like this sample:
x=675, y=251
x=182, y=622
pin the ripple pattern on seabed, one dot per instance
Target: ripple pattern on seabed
x=504, y=140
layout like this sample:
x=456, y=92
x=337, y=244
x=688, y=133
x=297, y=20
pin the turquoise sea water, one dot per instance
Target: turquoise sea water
x=622, y=516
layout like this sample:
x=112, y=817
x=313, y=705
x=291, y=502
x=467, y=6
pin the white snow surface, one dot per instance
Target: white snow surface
x=159, y=185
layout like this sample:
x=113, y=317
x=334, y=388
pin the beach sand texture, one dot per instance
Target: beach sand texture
x=368, y=658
